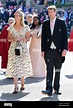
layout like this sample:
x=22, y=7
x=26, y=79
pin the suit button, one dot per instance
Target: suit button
x=47, y=39
x=59, y=49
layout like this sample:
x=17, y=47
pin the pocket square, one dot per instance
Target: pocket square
x=47, y=39
x=59, y=29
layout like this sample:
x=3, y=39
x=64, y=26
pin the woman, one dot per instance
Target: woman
x=18, y=66
x=5, y=43
x=37, y=61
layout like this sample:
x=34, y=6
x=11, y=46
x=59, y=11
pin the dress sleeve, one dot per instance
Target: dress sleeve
x=27, y=28
x=10, y=28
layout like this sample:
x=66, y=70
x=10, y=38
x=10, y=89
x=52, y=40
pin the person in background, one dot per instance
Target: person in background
x=70, y=41
x=5, y=43
x=0, y=45
x=53, y=49
x=37, y=61
x=6, y=15
x=19, y=66
x=29, y=19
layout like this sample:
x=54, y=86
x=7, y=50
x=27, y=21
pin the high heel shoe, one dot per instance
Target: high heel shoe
x=22, y=87
x=15, y=90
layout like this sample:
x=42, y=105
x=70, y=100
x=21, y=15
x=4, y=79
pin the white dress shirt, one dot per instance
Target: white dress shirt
x=52, y=23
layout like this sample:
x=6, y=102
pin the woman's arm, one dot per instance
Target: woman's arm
x=26, y=38
x=11, y=38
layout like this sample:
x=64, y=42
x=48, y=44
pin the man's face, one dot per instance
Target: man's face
x=51, y=13
x=29, y=19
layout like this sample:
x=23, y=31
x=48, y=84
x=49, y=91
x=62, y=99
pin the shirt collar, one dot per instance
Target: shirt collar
x=53, y=20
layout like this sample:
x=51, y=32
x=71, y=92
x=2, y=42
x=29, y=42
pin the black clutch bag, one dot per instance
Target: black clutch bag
x=18, y=50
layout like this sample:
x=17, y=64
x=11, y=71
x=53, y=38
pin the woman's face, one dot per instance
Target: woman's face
x=36, y=21
x=17, y=17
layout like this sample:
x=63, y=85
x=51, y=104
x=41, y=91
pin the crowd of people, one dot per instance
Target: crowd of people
x=46, y=34
x=8, y=11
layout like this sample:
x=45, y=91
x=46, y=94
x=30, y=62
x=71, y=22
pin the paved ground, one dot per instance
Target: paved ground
x=34, y=86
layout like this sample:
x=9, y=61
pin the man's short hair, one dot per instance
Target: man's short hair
x=30, y=16
x=52, y=7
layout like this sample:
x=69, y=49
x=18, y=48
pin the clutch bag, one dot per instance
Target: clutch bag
x=18, y=49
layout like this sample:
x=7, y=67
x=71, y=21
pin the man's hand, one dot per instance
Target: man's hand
x=64, y=52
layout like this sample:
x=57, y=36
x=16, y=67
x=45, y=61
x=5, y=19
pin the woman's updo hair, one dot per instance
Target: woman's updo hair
x=21, y=15
x=39, y=23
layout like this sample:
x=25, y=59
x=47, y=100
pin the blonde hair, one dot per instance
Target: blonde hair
x=52, y=7
x=21, y=15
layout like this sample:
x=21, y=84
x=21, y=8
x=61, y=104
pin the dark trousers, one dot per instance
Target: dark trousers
x=53, y=60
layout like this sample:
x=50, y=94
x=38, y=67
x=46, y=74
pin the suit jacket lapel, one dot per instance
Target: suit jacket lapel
x=49, y=27
x=55, y=26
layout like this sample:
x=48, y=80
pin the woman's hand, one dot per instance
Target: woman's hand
x=23, y=39
x=27, y=39
x=31, y=34
x=19, y=38
x=15, y=39
x=42, y=54
x=27, y=34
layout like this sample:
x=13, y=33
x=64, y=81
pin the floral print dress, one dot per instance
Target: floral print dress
x=18, y=65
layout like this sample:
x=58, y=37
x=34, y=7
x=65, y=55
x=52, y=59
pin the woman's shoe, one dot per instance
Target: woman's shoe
x=15, y=90
x=22, y=87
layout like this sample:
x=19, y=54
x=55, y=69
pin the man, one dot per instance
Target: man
x=54, y=49
x=29, y=19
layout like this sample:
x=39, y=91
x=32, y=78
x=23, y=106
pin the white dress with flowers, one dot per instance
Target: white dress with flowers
x=18, y=65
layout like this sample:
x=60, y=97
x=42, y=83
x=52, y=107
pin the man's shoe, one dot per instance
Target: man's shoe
x=47, y=92
x=57, y=92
